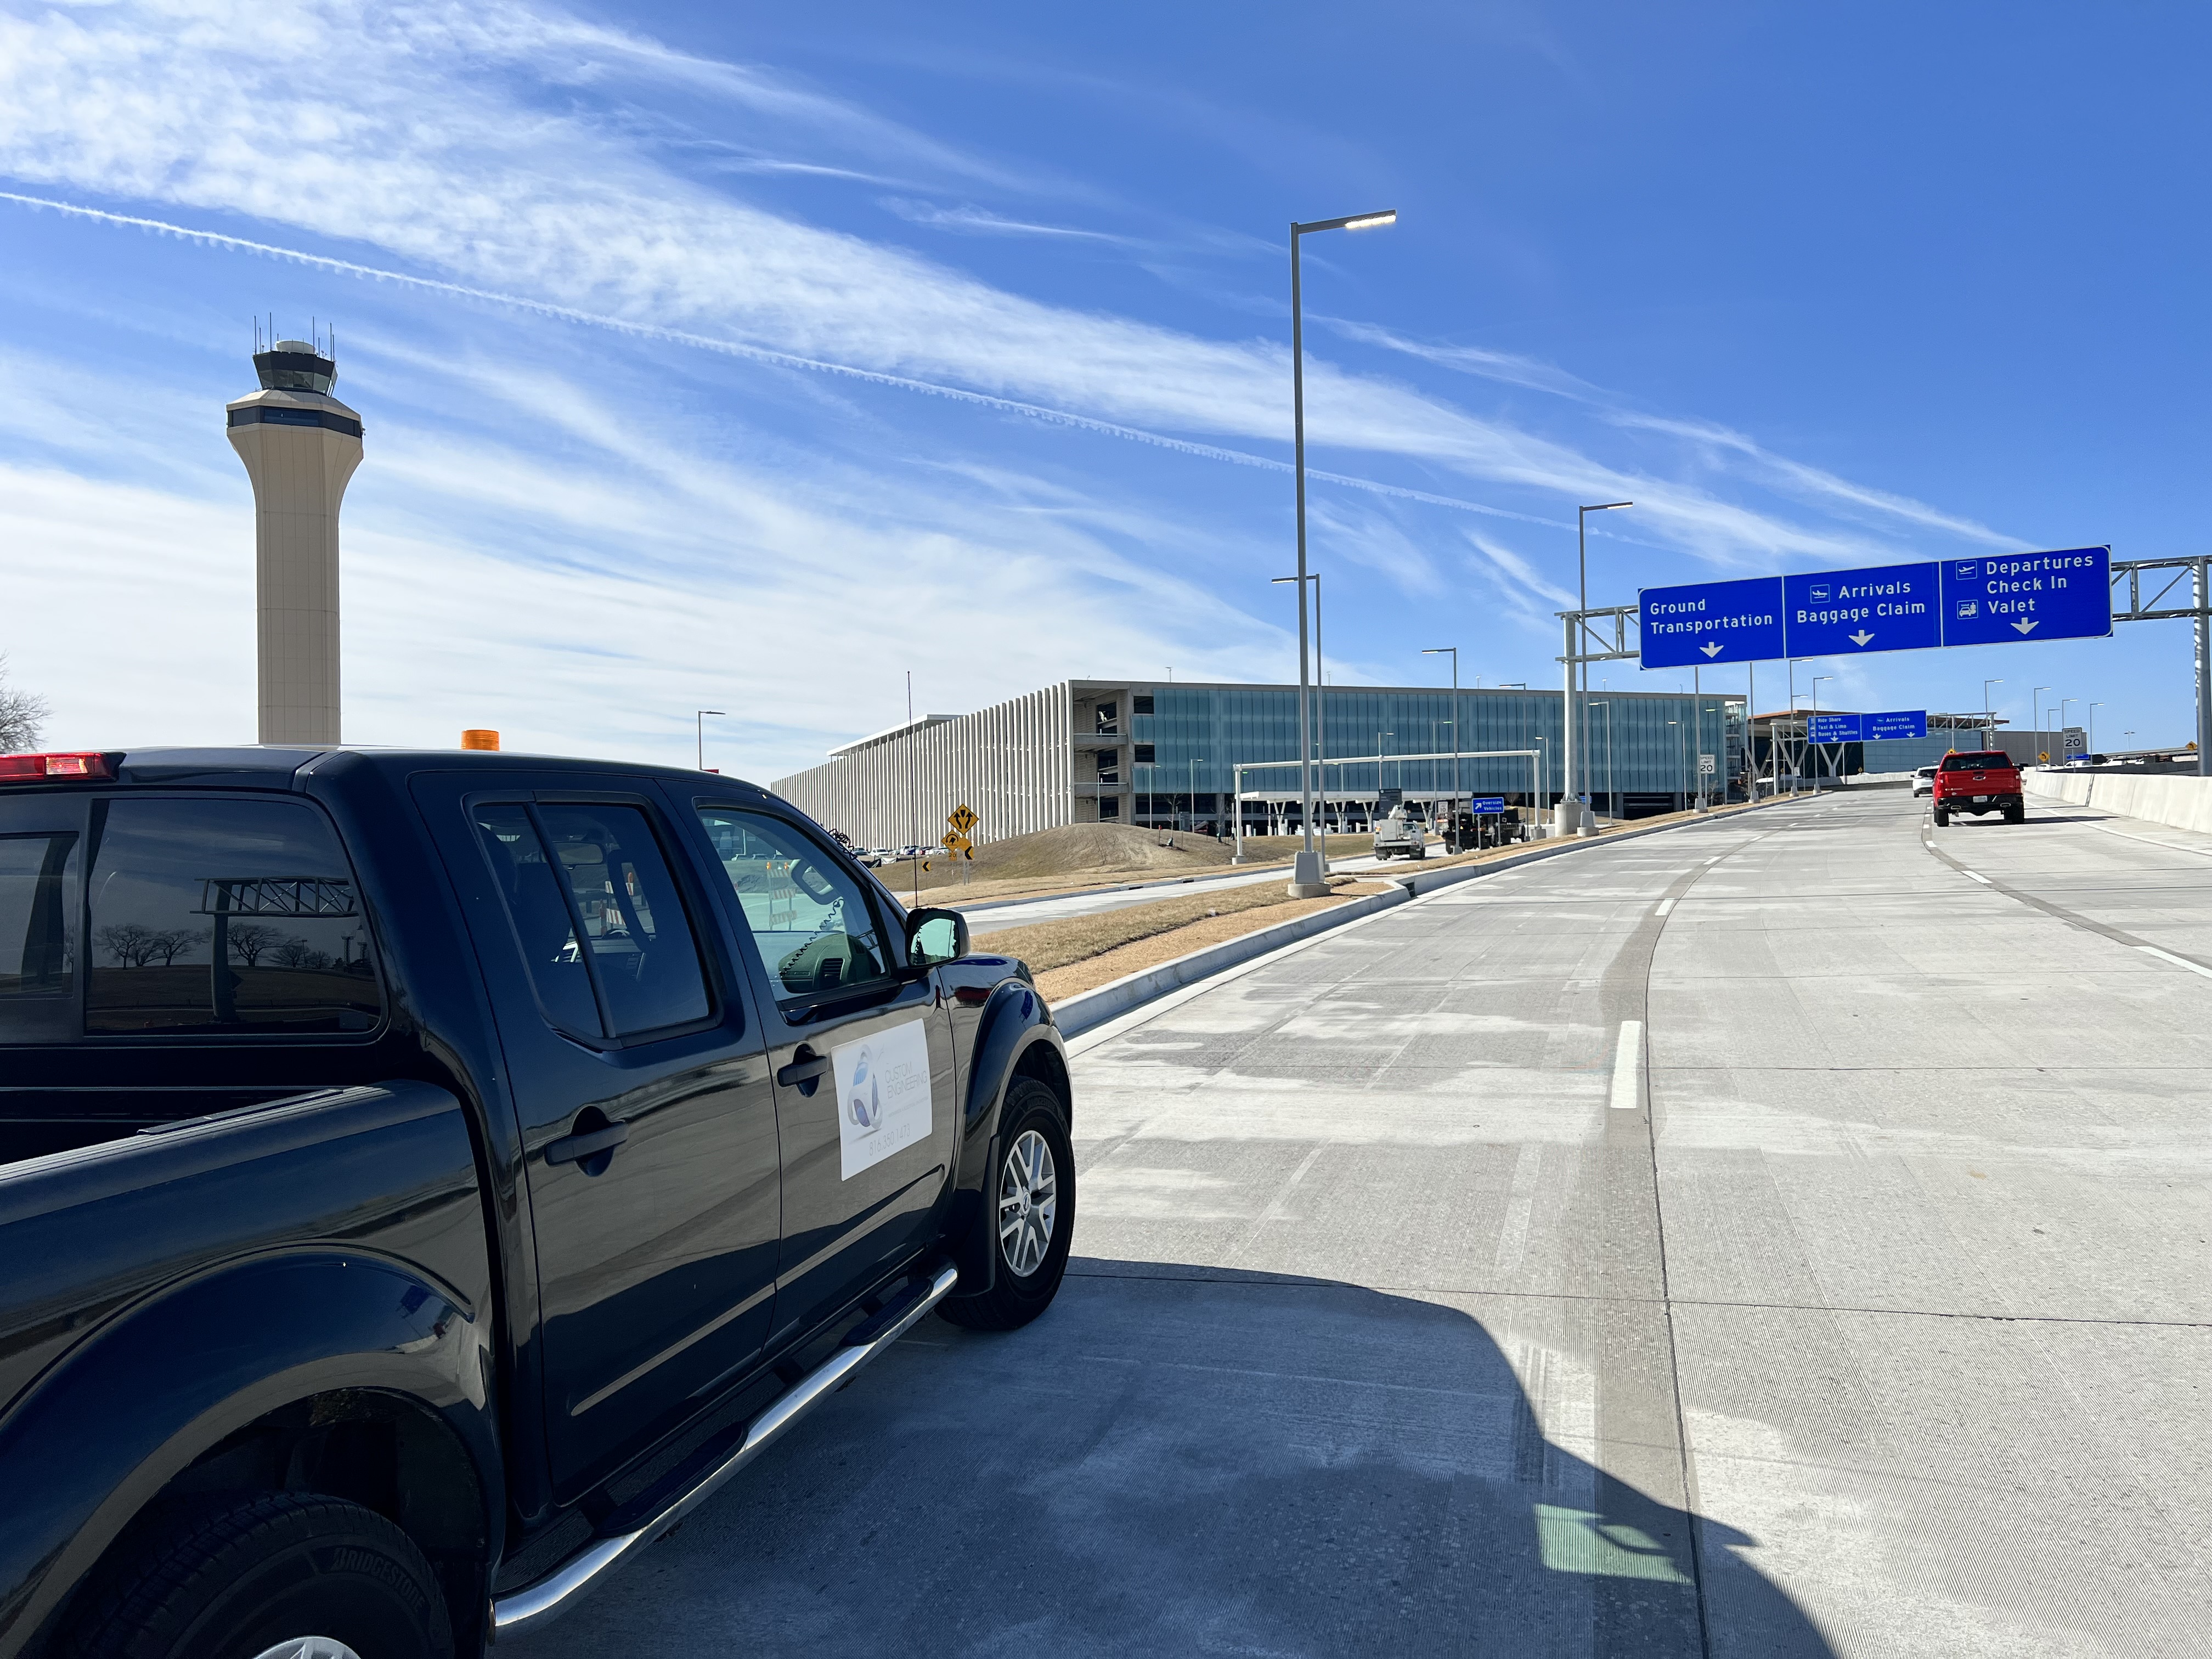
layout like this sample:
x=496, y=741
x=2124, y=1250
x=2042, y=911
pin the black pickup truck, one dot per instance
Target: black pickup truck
x=425, y=1177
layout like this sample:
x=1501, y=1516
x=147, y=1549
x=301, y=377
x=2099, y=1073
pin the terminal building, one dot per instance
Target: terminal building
x=1162, y=755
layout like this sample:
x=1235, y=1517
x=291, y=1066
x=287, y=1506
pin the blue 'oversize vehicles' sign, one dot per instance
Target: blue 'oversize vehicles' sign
x=2002, y=598
x=1892, y=607
x=1899, y=723
x=1835, y=728
x=1486, y=804
x=1999, y=598
x=1702, y=622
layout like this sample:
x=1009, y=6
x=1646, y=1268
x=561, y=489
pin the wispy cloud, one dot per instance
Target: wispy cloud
x=980, y=222
x=214, y=106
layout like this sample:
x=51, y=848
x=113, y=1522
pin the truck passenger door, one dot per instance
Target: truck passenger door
x=648, y=1118
x=862, y=1050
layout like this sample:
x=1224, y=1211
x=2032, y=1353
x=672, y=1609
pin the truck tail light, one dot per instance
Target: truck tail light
x=22, y=769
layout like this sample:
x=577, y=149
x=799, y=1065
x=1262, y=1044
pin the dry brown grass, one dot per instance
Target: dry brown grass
x=1047, y=945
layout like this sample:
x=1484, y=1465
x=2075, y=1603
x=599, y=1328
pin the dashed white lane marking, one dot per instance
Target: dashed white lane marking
x=1665, y=905
x=2179, y=962
x=1972, y=875
x=1628, y=1068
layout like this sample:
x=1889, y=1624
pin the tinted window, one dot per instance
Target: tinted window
x=38, y=915
x=597, y=870
x=812, y=925
x=224, y=915
x=543, y=924
x=1981, y=762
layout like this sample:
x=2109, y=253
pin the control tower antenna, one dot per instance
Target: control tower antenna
x=300, y=447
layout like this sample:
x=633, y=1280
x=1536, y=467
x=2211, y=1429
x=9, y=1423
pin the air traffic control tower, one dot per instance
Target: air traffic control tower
x=300, y=445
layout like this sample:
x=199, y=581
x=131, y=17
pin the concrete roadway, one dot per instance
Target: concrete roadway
x=1859, y=1306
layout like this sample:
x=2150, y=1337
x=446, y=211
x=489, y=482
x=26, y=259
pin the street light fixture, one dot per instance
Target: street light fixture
x=1452, y=650
x=1307, y=872
x=1567, y=780
x=699, y=731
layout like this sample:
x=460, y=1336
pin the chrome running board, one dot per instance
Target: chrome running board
x=539, y=1603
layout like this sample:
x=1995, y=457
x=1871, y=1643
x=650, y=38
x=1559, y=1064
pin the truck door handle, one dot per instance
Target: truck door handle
x=805, y=1067
x=574, y=1149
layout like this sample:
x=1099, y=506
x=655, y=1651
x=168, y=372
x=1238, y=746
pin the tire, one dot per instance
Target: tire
x=254, y=1577
x=1035, y=1139
x=2015, y=815
x=1940, y=816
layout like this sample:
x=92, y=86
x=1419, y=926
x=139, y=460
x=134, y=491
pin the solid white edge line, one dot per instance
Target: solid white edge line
x=1627, y=1066
x=2179, y=962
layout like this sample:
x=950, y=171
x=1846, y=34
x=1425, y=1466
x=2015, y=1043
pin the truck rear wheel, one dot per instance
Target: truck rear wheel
x=1031, y=1208
x=2015, y=815
x=1940, y=815
x=279, y=1576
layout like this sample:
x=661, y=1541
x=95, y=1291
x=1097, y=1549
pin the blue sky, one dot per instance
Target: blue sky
x=749, y=357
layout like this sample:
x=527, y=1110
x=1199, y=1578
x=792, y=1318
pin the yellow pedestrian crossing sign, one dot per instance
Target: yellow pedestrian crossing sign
x=961, y=821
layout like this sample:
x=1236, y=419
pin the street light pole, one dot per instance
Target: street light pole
x=2035, y=706
x=2063, y=702
x=1320, y=712
x=1612, y=800
x=1452, y=650
x=1194, y=760
x=1568, y=784
x=699, y=731
x=2093, y=708
x=1817, y=679
x=1307, y=873
x=1989, y=715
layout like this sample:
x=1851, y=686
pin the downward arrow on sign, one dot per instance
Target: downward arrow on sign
x=2024, y=627
x=1859, y=638
x=1715, y=651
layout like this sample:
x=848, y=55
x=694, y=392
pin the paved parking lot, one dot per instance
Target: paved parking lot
x=1761, y=1238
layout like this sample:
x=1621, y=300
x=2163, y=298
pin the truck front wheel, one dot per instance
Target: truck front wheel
x=279, y=1575
x=1031, y=1210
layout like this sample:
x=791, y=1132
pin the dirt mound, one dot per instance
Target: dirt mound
x=1076, y=847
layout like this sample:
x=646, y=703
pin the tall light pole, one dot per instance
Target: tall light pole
x=2035, y=704
x=1612, y=800
x=2093, y=708
x=1681, y=758
x=1306, y=873
x=1567, y=779
x=1989, y=715
x=1194, y=760
x=1817, y=679
x=1452, y=650
x=2063, y=702
x=699, y=731
x=1320, y=710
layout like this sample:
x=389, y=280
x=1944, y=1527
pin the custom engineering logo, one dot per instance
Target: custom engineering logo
x=864, y=1105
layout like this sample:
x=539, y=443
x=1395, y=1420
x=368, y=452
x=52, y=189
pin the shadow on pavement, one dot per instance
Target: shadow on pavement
x=1181, y=1460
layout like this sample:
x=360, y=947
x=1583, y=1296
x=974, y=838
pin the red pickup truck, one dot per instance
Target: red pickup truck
x=1984, y=781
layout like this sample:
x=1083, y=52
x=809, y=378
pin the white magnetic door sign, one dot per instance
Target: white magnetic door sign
x=883, y=1103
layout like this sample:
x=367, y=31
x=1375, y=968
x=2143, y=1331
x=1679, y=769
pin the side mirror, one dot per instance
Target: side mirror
x=934, y=937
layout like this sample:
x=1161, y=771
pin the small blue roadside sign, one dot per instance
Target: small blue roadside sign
x=2002, y=598
x=1892, y=607
x=1835, y=728
x=1486, y=804
x=1899, y=723
x=1702, y=622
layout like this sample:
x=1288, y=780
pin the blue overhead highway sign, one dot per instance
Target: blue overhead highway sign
x=1892, y=607
x=1702, y=622
x=2005, y=597
x=1486, y=804
x=1900, y=723
x=1998, y=598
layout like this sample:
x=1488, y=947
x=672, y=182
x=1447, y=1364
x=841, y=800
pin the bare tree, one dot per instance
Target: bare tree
x=128, y=943
x=173, y=944
x=23, y=716
x=298, y=953
x=250, y=940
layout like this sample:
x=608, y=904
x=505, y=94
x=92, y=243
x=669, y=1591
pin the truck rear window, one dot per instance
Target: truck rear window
x=1978, y=763
x=223, y=916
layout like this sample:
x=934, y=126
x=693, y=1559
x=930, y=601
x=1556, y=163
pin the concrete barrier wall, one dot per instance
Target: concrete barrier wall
x=2183, y=802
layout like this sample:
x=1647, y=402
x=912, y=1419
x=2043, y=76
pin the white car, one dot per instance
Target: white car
x=1923, y=782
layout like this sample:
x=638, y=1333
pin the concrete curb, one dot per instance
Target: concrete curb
x=1088, y=1010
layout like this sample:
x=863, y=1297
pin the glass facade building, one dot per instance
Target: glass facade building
x=1158, y=754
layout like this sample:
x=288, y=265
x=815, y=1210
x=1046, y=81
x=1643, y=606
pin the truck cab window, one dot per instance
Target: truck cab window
x=224, y=916
x=811, y=924
x=38, y=915
x=597, y=869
